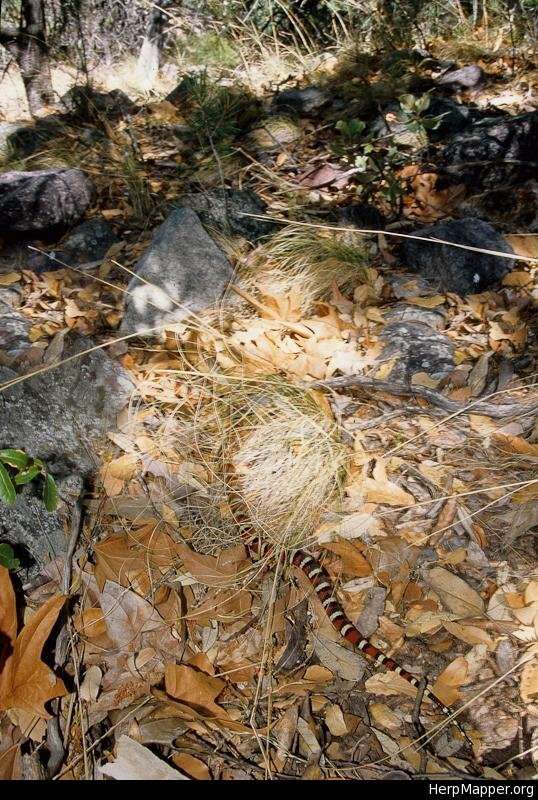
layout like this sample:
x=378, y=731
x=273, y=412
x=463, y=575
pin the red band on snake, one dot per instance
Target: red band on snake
x=322, y=585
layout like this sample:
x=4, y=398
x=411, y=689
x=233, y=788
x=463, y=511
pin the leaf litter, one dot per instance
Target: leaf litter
x=176, y=632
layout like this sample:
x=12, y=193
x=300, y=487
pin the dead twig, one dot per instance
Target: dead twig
x=500, y=411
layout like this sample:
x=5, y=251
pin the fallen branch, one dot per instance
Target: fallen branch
x=500, y=411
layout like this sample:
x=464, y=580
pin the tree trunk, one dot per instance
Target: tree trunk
x=28, y=46
x=149, y=59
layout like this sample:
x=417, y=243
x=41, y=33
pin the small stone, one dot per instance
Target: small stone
x=306, y=101
x=417, y=348
x=275, y=133
x=468, y=77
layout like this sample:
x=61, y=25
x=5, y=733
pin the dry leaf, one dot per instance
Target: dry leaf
x=194, y=688
x=134, y=762
x=334, y=719
x=26, y=683
x=194, y=767
x=353, y=561
x=128, y=617
x=9, y=278
x=209, y=570
x=385, y=716
x=454, y=593
x=529, y=682
x=379, y=489
x=470, y=634
x=446, y=687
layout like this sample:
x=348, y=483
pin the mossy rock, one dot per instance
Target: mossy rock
x=275, y=133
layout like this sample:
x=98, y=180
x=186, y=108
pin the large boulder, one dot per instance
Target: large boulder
x=182, y=271
x=14, y=332
x=224, y=209
x=63, y=414
x=492, y=149
x=40, y=201
x=36, y=535
x=456, y=269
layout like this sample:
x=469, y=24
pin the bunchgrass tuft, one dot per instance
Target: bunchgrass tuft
x=272, y=458
x=309, y=262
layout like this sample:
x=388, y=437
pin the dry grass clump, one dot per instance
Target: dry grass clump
x=273, y=462
x=309, y=262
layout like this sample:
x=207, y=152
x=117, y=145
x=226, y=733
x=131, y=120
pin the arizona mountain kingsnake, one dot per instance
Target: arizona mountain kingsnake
x=322, y=584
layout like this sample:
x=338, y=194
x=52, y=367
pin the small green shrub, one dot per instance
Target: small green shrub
x=17, y=468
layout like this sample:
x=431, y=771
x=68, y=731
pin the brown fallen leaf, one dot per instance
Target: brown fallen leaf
x=528, y=686
x=194, y=688
x=129, y=618
x=455, y=594
x=26, y=682
x=209, y=570
x=447, y=685
x=192, y=766
x=353, y=561
x=379, y=489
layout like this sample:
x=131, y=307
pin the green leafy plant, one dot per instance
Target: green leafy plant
x=377, y=159
x=17, y=468
x=8, y=558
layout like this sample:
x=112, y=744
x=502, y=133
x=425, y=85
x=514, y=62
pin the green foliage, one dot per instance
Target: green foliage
x=217, y=113
x=17, y=468
x=8, y=558
x=377, y=159
x=212, y=50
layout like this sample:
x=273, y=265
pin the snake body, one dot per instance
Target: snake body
x=321, y=582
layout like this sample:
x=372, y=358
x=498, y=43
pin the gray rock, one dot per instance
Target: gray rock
x=407, y=284
x=403, y=312
x=492, y=149
x=85, y=102
x=43, y=200
x=361, y=216
x=36, y=535
x=27, y=138
x=418, y=348
x=454, y=117
x=468, y=77
x=455, y=269
x=14, y=329
x=224, y=209
x=185, y=272
x=89, y=241
x=63, y=414
x=301, y=101
x=62, y=417
x=85, y=246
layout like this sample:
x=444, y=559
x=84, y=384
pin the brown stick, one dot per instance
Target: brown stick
x=433, y=397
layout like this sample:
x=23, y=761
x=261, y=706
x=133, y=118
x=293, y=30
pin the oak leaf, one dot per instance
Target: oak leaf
x=26, y=682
